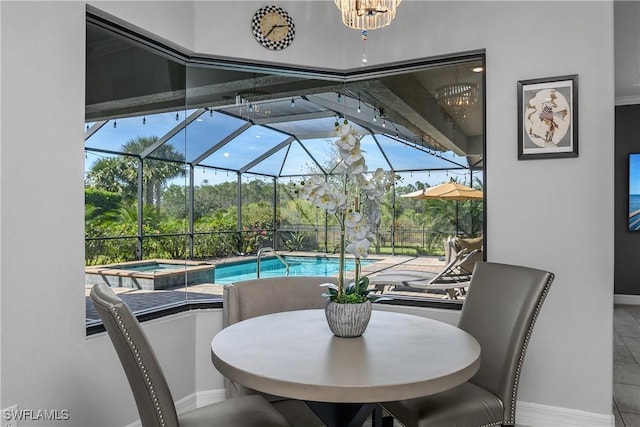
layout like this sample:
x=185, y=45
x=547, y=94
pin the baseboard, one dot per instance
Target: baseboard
x=627, y=100
x=135, y=424
x=187, y=403
x=210, y=396
x=626, y=299
x=535, y=415
x=193, y=401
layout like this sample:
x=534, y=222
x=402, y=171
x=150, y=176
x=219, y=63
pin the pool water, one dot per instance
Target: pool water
x=150, y=274
x=273, y=267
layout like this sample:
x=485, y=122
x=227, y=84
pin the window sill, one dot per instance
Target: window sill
x=97, y=327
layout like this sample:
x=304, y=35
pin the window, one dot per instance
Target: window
x=189, y=165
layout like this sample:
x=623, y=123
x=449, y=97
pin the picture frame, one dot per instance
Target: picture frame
x=548, y=118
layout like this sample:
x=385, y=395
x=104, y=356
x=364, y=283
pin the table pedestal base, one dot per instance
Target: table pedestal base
x=349, y=414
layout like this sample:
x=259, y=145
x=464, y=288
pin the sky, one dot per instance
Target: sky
x=210, y=128
x=634, y=173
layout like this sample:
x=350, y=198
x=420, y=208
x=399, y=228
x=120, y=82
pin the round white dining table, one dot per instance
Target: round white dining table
x=294, y=354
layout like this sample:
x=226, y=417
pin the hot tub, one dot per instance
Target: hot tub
x=151, y=274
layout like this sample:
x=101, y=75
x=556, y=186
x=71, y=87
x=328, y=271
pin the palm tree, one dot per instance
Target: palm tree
x=120, y=174
x=115, y=174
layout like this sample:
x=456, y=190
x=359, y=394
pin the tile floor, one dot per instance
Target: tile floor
x=626, y=365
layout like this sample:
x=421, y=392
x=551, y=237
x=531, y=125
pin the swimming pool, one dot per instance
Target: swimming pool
x=273, y=267
x=151, y=274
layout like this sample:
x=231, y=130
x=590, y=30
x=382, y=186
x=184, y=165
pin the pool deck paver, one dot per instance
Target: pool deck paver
x=143, y=300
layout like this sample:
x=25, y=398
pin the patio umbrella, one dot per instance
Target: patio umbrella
x=448, y=191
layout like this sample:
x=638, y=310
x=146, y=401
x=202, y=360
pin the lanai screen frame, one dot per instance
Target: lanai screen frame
x=136, y=36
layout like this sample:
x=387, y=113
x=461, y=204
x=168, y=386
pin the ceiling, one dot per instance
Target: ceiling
x=127, y=79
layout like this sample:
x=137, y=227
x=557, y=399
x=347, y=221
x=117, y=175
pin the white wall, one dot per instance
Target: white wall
x=168, y=21
x=1, y=116
x=552, y=214
x=41, y=213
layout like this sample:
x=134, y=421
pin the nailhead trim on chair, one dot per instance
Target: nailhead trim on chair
x=143, y=368
x=498, y=423
x=512, y=416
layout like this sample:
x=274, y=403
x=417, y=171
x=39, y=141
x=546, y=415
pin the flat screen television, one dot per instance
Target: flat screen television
x=634, y=192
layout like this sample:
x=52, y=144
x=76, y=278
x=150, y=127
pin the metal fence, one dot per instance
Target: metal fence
x=216, y=244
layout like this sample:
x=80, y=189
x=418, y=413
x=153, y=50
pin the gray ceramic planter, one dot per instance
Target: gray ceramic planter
x=348, y=320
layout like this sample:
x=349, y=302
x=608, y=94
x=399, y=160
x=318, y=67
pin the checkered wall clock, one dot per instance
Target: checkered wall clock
x=273, y=27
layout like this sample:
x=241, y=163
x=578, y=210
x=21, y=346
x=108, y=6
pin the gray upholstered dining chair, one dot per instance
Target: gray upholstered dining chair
x=149, y=386
x=250, y=298
x=501, y=307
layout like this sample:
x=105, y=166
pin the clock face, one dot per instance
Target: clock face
x=273, y=27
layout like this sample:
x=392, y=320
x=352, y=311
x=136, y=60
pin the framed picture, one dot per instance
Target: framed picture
x=548, y=118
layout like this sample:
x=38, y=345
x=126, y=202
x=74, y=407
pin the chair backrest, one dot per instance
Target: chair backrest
x=500, y=309
x=449, y=248
x=251, y=298
x=464, y=267
x=148, y=384
x=473, y=244
x=449, y=269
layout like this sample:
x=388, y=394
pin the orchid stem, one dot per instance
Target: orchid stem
x=357, y=271
x=341, y=266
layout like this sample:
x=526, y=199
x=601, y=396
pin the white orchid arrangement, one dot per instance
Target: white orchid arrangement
x=358, y=218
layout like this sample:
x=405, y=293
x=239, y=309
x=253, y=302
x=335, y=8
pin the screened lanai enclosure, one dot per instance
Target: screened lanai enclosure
x=197, y=158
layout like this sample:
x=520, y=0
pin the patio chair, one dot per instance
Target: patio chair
x=251, y=298
x=452, y=278
x=149, y=386
x=502, y=305
x=452, y=245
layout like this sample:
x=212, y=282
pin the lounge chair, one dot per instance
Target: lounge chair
x=453, y=245
x=453, y=278
x=451, y=263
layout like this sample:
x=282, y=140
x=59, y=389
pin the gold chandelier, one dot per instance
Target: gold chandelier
x=367, y=14
x=457, y=98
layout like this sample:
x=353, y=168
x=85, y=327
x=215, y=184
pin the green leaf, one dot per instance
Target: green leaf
x=330, y=286
x=350, y=299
